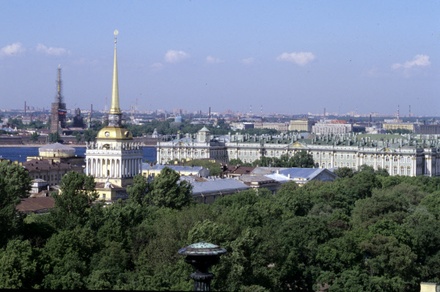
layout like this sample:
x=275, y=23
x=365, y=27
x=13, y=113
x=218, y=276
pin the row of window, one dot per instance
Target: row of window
x=51, y=178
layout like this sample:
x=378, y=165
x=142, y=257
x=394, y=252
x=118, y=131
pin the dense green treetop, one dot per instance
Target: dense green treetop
x=214, y=167
x=72, y=204
x=299, y=159
x=168, y=191
x=365, y=231
x=15, y=183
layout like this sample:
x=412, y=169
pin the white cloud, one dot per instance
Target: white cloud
x=51, y=51
x=417, y=61
x=299, y=58
x=248, y=61
x=213, y=60
x=173, y=56
x=157, y=66
x=12, y=49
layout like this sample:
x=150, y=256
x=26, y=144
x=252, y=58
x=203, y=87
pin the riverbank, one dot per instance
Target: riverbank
x=39, y=145
x=21, y=152
x=18, y=141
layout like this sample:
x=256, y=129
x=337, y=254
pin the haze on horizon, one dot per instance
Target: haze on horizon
x=288, y=57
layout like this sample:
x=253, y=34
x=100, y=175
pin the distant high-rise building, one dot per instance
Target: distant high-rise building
x=58, y=110
x=78, y=120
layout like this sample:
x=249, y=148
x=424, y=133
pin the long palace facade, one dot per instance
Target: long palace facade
x=398, y=156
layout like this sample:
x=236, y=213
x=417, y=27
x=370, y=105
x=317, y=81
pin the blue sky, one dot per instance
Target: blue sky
x=289, y=57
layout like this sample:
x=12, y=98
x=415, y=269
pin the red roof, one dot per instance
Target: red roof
x=36, y=205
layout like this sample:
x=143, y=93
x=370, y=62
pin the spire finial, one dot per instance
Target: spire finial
x=115, y=33
x=115, y=90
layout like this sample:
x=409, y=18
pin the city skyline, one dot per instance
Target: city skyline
x=293, y=57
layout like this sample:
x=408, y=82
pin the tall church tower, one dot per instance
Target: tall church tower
x=58, y=109
x=114, y=159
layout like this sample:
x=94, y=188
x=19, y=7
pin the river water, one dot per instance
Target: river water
x=20, y=153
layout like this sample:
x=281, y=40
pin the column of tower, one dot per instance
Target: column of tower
x=58, y=108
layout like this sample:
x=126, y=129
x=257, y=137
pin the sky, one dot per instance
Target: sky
x=249, y=56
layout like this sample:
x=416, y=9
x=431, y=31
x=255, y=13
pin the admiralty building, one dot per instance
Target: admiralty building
x=406, y=155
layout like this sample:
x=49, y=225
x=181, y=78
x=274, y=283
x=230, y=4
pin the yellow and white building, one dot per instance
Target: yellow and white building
x=114, y=158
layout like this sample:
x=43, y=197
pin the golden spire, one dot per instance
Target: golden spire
x=115, y=109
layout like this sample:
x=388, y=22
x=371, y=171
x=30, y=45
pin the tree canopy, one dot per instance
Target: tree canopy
x=72, y=204
x=299, y=159
x=167, y=191
x=365, y=231
x=15, y=183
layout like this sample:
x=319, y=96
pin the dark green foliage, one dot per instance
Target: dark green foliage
x=238, y=162
x=65, y=259
x=302, y=159
x=72, y=205
x=54, y=137
x=169, y=127
x=295, y=200
x=16, y=123
x=138, y=189
x=90, y=135
x=34, y=137
x=259, y=132
x=344, y=172
x=108, y=267
x=299, y=159
x=17, y=265
x=214, y=167
x=37, y=125
x=365, y=231
x=167, y=191
x=15, y=184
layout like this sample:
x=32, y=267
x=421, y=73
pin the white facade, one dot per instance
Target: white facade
x=331, y=128
x=116, y=162
x=405, y=161
x=190, y=148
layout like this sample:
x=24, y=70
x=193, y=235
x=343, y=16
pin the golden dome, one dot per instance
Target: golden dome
x=113, y=133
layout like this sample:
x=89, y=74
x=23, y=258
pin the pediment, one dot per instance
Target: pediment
x=297, y=145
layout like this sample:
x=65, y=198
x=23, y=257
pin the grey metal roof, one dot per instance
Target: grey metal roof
x=178, y=168
x=254, y=178
x=218, y=185
x=278, y=177
x=300, y=174
x=297, y=172
x=56, y=146
x=266, y=170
